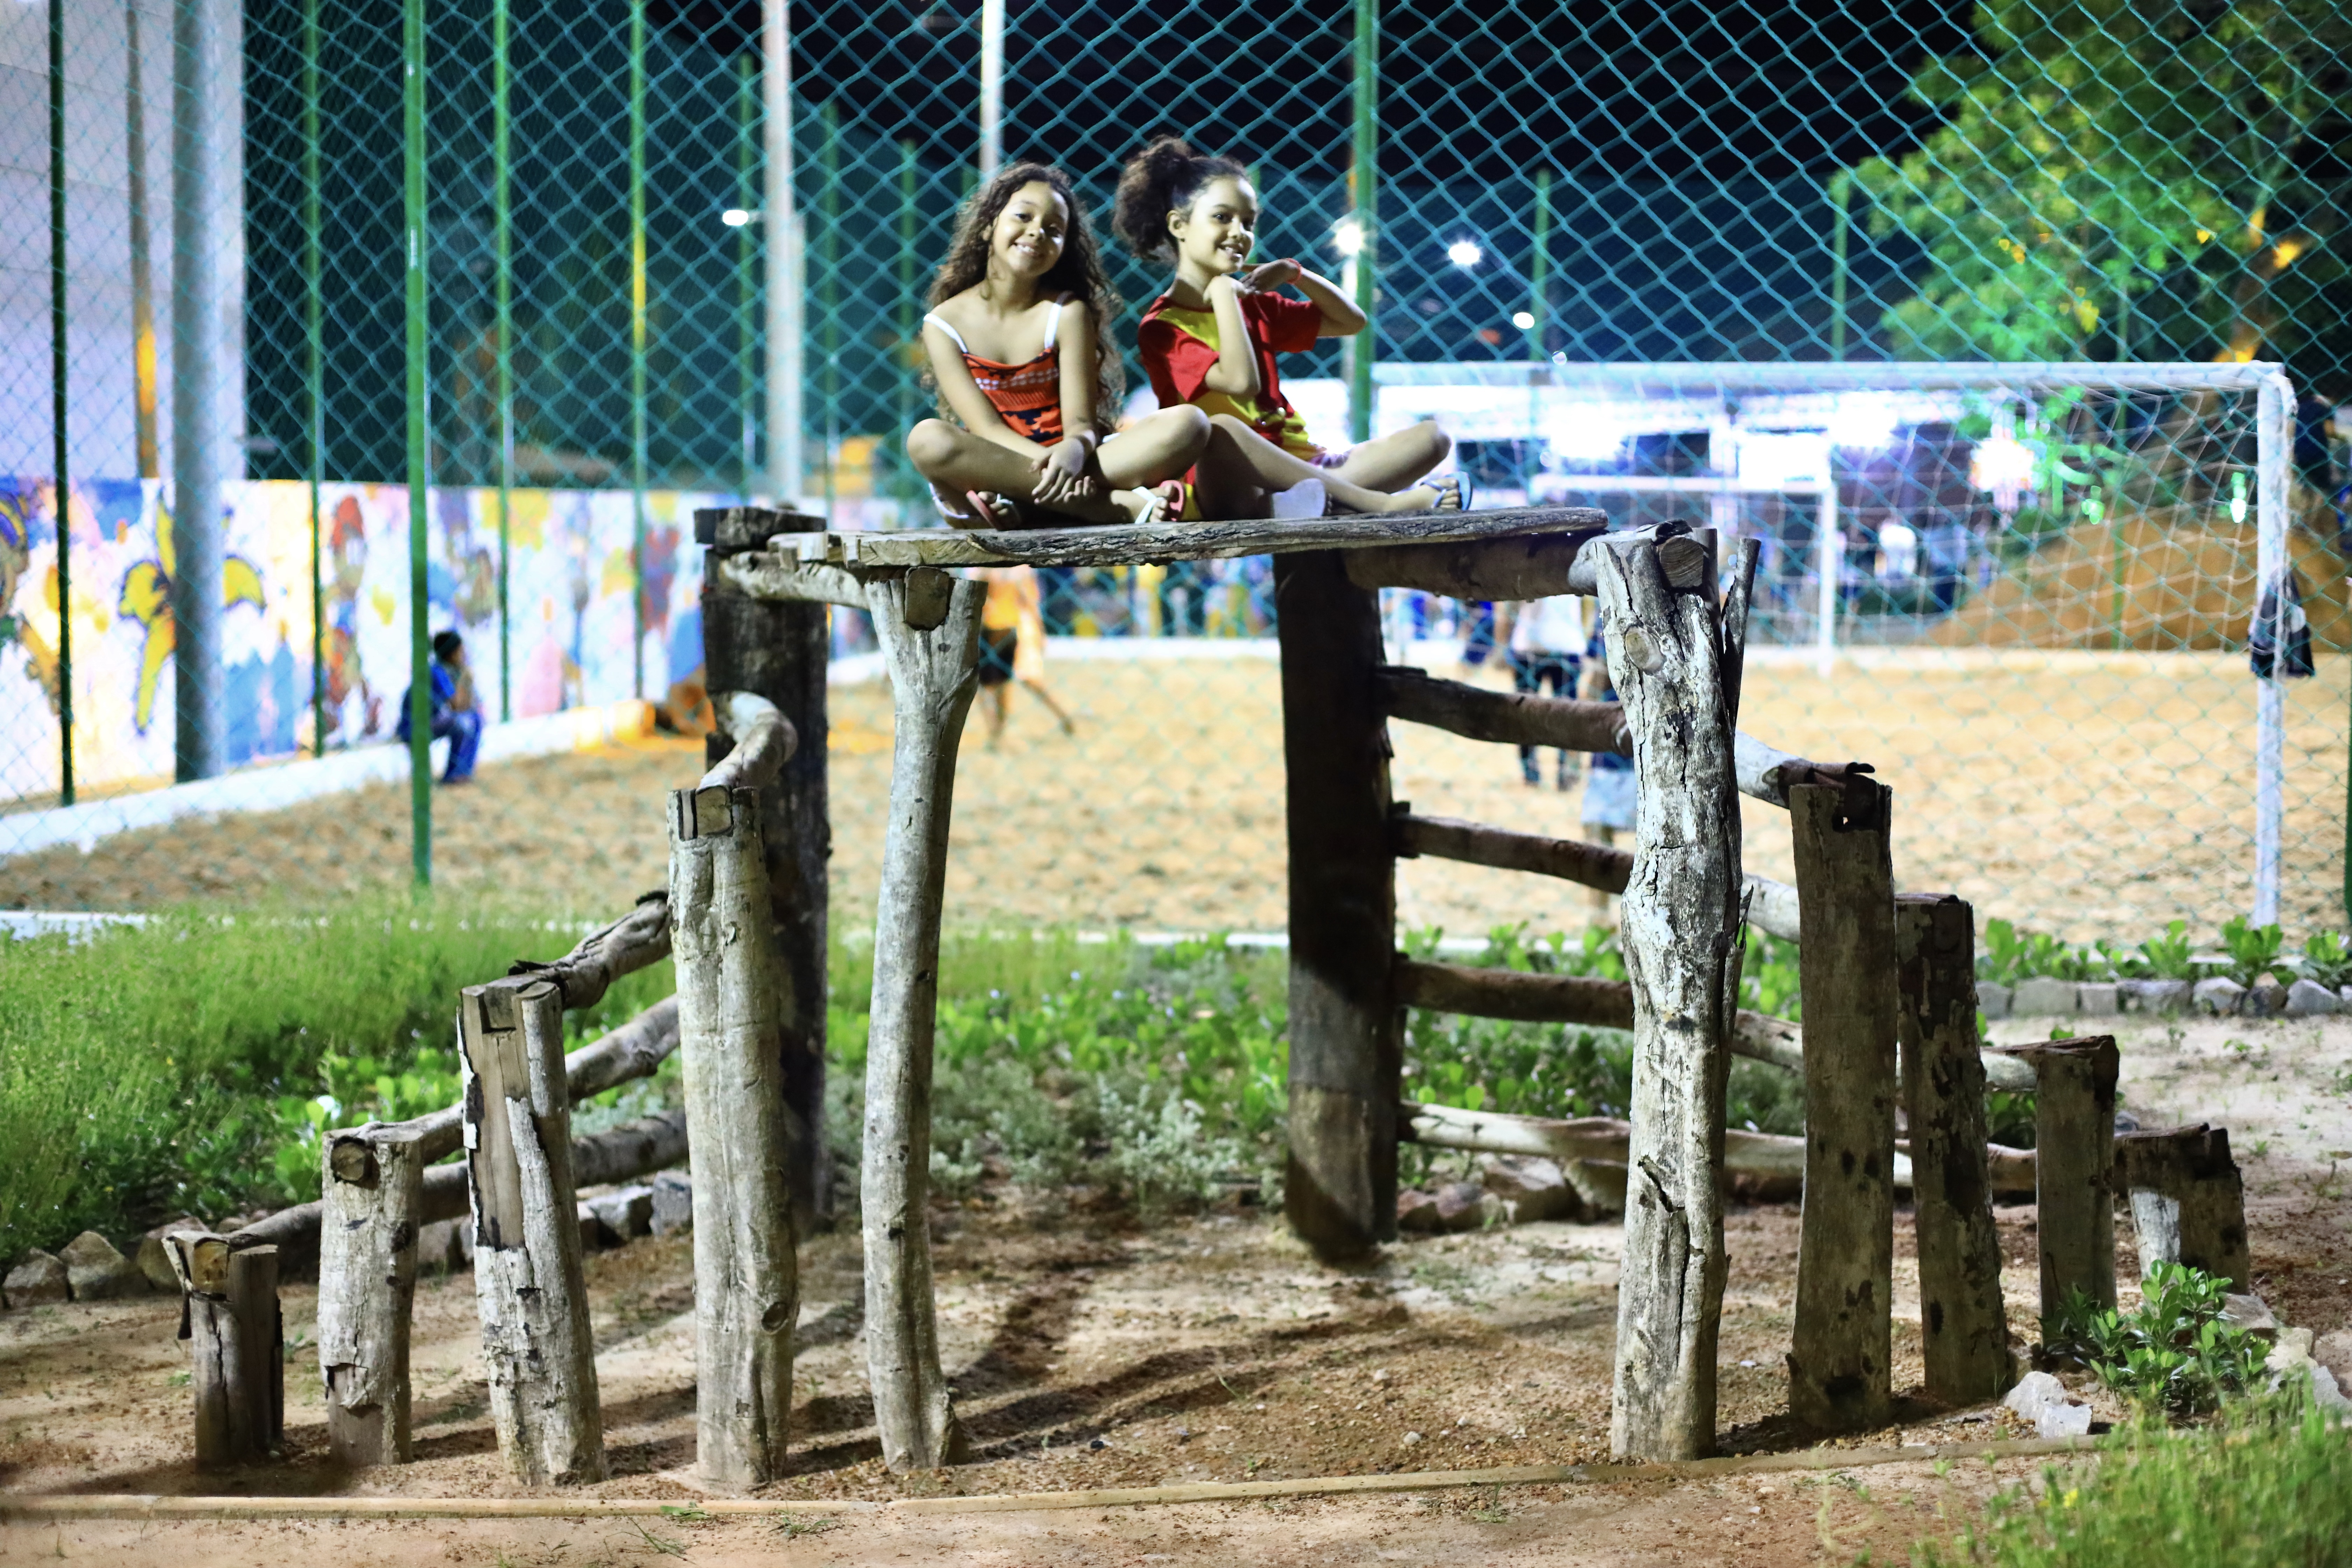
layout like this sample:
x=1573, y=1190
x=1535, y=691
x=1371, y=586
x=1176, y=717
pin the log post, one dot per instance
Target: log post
x=2188, y=1201
x=1962, y=1327
x=1839, y=1355
x=1681, y=936
x=527, y=1279
x=779, y=650
x=370, y=1206
x=933, y=656
x=731, y=1005
x=1346, y=1044
x=228, y=1315
x=2074, y=1166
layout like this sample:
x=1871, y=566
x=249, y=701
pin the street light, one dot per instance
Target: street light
x=1465, y=254
x=1524, y=319
x=735, y=217
x=1348, y=236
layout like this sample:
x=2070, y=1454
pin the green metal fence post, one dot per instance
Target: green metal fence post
x=314, y=367
x=637, y=345
x=1538, y=323
x=909, y=267
x=1841, y=185
x=747, y=263
x=143, y=282
x=420, y=639
x=502, y=262
x=1363, y=196
x=828, y=262
x=57, y=408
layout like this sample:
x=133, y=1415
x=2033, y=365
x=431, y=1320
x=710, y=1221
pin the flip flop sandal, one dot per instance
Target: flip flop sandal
x=982, y=509
x=1452, y=494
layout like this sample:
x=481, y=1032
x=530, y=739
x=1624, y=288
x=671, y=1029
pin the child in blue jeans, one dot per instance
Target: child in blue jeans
x=1609, y=789
x=456, y=716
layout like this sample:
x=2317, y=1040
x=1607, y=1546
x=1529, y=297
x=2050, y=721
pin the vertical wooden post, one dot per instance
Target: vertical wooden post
x=1345, y=1035
x=2188, y=1201
x=1681, y=934
x=527, y=1279
x=2074, y=1165
x=929, y=628
x=1962, y=1327
x=228, y=1315
x=730, y=1011
x=779, y=650
x=371, y=1207
x=1840, y=1375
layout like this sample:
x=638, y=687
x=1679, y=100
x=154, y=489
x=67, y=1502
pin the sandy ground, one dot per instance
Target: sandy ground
x=2096, y=794
x=1089, y=1351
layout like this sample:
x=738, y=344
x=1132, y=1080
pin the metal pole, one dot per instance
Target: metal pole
x=992, y=87
x=2274, y=412
x=1830, y=552
x=910, y=193
x=142, y=293
x=1538, y=324
x=502, y=261
x=199, y=87
x=58, y=401
x=1841, y=184
x=780, y=218
x=637, y=345
x=828, y=301
x=314, y=350
x=1363, y=196
x=420, y=641
x=747, y=274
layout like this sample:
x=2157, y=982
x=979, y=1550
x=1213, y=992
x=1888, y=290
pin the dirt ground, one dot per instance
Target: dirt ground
x=2095, y=795
x=1089, y=1350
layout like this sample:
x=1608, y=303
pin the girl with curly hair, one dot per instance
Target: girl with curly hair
x=1029, y=384
x=1210, y=342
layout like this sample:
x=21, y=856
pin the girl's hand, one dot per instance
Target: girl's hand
x=1062, y=474
x=1272, y=274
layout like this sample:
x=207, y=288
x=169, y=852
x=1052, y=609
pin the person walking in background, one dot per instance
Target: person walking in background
x=1012, y=648
x=457, y=714
x=1608, y=792
x=1545, y=646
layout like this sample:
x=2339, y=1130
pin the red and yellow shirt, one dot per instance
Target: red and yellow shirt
x=1180, y=346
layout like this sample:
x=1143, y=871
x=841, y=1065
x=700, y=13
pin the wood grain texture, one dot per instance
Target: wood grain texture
x=371, y=1204
x=1963, y=1325
x=933, y=677
x=1842, y=1352
x=229, y=1316
x=732, y=1004
x=527, y=1280
x=1527, y=566
x=1510, y=717
x=1681, y=938
x=779, y=652
x=2074, y=1150
x=1340, y=1192
x=638, y=940
x=2188, y=1200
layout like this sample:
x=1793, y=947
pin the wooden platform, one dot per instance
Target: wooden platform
x=797, y=535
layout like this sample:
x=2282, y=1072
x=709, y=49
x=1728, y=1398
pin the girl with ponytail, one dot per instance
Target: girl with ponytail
x=1210, y=342
x=1028, y=382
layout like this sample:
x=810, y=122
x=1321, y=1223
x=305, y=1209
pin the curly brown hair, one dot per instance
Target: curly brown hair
x=1163, y=178
x=1078, y=272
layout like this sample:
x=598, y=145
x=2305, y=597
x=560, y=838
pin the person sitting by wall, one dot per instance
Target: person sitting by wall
x=457, y=714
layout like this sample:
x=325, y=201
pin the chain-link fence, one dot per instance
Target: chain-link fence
x=559, y=276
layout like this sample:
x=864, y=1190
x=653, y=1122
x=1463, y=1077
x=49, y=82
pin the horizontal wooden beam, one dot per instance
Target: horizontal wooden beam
x=1766, y=772
x=1526, y=566
x=1127, y=545
x=766, y=575
x=1512, y=717
x=1605, y=1138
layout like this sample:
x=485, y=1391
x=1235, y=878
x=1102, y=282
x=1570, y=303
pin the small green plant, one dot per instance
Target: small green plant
x=2328, y=960
x=2168, y=957
x=2253, y=949
x=2010, y=955
x=2173, y=1352
x=791, y=1524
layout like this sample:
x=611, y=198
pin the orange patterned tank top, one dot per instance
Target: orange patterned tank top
x=1027, y=395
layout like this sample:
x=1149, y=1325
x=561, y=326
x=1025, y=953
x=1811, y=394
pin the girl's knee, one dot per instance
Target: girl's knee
x=930, y=444
x=1229, y=426
x=1439, y=443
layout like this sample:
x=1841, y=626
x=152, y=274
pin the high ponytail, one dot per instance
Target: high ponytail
x=1163, y=178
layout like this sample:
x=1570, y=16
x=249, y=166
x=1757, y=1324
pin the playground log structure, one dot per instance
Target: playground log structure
x=1888, y=991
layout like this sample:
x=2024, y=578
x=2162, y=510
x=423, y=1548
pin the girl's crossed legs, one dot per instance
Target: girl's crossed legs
x=1147, y=453
x=1241, y=470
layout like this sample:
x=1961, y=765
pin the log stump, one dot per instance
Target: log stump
x=527, y=1279
x=1963, y=1329
x=2188, y=1200
x=371, y=1202
x=236, y=1338
x=2074, y=1166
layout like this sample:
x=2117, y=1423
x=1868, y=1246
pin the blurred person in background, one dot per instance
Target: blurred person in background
x=1012, y=648
x=1543, y=643
x=1608, y=793
x=456, y=713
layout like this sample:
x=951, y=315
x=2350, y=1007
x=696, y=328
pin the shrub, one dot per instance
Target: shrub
x=2173, y=1352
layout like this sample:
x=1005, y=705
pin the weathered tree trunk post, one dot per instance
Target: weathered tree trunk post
x=928, y=624
x=1962, y=1327
x=371, y=1206
x=779, y=650
x=527, y=1273
x=1345, y=1035
x=1840, y=1375
x=228, y=1315
x=732, y=1004
x=2188, y=1200
x=1681, y=934
x=2074, y=1166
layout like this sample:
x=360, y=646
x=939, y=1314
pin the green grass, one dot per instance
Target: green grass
x=2267, y=1485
